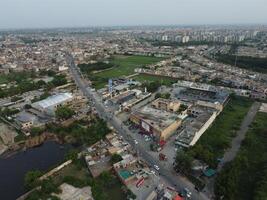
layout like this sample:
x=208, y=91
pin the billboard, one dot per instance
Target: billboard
x=145, y=126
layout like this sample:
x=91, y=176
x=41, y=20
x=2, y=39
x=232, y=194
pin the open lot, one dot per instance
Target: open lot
x=100, y=186
x=218, y=137
x=150, y=78
x=125, y=66
x=245, y=178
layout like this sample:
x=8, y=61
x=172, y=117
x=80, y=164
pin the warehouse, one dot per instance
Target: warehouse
x=50, y=104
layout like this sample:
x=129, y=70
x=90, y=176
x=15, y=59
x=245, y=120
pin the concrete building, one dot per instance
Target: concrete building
x=166, y=104
x=159, y=123
x=202, y=118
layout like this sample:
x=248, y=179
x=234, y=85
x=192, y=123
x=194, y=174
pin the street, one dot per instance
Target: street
x=167, y=175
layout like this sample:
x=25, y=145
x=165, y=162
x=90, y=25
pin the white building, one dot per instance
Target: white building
x=50, y=104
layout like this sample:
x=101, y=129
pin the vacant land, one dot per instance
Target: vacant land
x=150, y=78
x=245, y=178
x=123, y=66
x=126, y=65
x=104, y=186
x=218, y=137
x=246, y=62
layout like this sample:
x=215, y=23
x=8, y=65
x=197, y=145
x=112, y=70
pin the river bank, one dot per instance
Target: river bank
x=14, y=167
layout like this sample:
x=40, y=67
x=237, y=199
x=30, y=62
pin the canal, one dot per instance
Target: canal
x=13, y=169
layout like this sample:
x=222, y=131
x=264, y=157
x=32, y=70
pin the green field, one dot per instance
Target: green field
x=124, y=66
x=245, y=178
x=150, y=78
x=218, y=137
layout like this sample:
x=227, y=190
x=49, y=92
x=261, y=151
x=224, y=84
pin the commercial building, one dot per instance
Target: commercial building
x=166, y=104
x=50, y=104
x=159, y=123
x=202, y=118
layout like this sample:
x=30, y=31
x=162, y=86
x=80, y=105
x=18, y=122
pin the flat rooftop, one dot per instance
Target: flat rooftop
x=159, y=119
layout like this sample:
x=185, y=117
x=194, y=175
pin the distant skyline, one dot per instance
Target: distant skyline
x=17, y=14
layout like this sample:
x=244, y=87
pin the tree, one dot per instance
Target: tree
x=115, y=158
x=64, y=112
x=48, y=186
x=31, y=179
x=72, y=155
x=183, y=162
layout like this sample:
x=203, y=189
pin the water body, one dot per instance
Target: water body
x=13, y=169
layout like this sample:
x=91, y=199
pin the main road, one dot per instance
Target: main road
x=170, y=177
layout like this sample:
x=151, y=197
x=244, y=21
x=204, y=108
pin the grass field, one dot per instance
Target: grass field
x=245, y=178
x=150, y=78
x=125, y=66
x=218, y=137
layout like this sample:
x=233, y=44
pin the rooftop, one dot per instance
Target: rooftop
x=53, y=100
x=159, y=119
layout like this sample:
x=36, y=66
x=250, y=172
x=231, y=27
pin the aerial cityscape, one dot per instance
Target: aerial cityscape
x=120, y=102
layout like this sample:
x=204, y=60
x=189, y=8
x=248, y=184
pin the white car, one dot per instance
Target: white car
x=156, y=167
x=135, y=141
x=153, y=172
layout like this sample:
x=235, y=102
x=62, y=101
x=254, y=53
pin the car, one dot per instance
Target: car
x=153, y=172
x=135, y=141
x=156, y=167
x=185, y=193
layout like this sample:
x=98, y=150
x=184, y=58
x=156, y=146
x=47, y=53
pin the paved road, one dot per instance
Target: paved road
x=169, y=176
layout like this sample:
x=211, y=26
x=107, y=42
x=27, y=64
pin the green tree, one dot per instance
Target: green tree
x=64, y=112
x=31, y=179
x=115, y=158
x=183, y=162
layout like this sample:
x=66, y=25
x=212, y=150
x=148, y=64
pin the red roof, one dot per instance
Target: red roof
x=177, y=197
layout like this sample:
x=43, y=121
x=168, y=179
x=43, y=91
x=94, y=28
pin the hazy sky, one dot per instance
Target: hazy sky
x=72, y=13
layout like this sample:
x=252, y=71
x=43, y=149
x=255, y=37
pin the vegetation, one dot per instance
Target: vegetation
x=90, y=68
x=64, y=112
x=190, y=43
x=119, y=66
x=163, y=95
x=183, y=162
x=17, y=77
x=246, y=62
x=24, y=85
x=106, y=186
x=245, y=177
x=31, y=179
x=152, y=86
x=115, y=158
x=218, y=137
x=89, y=135
x=126, y=65
x=143, y=78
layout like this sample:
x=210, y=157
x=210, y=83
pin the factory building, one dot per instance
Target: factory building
x=159, y=123
x=50, y=104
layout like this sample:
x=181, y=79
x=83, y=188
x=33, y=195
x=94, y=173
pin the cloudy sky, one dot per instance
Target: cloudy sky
x=75, y=13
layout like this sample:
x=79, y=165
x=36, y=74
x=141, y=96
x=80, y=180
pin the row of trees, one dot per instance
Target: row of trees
x=246, y=62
